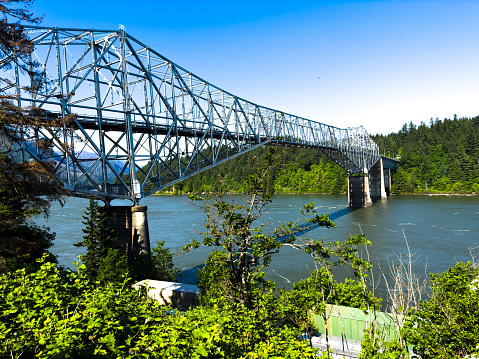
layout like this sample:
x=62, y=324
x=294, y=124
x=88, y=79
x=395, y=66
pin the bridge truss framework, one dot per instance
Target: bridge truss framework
x=144, y=123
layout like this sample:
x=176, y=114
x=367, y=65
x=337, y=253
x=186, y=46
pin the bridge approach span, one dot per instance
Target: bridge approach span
x=144, y=123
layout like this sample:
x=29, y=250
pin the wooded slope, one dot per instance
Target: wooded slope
x=442, y=157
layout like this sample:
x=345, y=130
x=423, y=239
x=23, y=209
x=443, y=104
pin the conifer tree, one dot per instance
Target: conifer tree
x=103, y=262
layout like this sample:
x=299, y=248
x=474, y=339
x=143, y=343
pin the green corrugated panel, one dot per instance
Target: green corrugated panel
x=351, y=322
x=348, y=327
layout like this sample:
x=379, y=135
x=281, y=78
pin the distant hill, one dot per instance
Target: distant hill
x=86, y=159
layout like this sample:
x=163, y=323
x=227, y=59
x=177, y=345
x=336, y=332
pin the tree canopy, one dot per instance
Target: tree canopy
x=440, y=157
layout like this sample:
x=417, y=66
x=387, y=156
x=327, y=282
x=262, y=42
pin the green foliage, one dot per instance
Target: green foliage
x=214, y=277
x=319, y=289
x=303, y=171
x=447, y=325
x=439, y=158
x=246, y=249
x=163, y=267
x=322, y=177
x=307, y=295
x=106, y=262
x=58, y=314
x=22, y=244
x=352, y=293
x=373, y=347
x=113, y=267
x=158, y=266
x=15, y=208
x=228, y=331
x=21, y=240
x=99, y=241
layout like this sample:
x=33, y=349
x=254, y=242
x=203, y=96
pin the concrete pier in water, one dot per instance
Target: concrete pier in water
x=377, y=187
x=365, y=188
x=358, y=191
x=130, y=224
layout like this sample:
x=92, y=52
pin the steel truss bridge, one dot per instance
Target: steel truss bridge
x=144, y=123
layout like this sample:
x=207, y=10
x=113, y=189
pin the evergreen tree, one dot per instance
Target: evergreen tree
x=102, y=261
x=113, y=267
x=443, y=157
x=158, y=266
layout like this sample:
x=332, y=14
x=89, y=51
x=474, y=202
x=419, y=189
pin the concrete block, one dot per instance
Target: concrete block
x=177, y=295
x=341, y=347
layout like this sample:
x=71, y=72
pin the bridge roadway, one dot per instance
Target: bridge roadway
x=140, y=122
x=189, y=130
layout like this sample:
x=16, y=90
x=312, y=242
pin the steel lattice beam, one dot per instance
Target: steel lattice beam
x=145, y=123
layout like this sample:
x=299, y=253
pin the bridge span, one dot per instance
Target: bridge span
x=142, y=123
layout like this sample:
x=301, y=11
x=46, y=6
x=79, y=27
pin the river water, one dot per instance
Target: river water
x=439, y=230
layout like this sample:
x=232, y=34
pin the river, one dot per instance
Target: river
x=439, y=230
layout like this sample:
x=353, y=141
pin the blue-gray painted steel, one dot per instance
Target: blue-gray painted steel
x=144, y=123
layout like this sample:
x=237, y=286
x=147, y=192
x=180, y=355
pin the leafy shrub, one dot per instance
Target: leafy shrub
x=447, y=325
x=53, y=313
x=158, y=266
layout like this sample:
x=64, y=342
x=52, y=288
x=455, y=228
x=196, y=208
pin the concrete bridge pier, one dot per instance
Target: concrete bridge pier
x=358, y=191
x=377, y=181
x=387, y=181
x=130, y=224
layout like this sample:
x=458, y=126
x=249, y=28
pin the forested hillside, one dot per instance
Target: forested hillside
x=301, y=171
x=442, y=157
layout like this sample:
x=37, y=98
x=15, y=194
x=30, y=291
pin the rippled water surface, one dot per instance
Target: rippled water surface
x=440, y=230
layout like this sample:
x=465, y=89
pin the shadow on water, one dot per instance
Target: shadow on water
x=341, y=213
x=308, y=227
x=188, y=276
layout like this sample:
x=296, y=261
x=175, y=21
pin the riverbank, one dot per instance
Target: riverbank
x=172, y=193
x=241, y=193
x=439, y=194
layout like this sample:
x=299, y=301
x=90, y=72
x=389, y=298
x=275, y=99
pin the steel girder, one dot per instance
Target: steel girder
x=144, y=123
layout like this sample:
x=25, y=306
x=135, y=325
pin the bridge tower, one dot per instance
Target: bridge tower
x=376, y=181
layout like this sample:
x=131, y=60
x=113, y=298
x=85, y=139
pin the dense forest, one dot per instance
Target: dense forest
x=442, y=157
x=300, y=170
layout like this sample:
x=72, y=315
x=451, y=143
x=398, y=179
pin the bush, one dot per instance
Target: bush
x=53, y=313
x=447, y=325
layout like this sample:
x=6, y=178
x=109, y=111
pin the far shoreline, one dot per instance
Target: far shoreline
x=341, y=193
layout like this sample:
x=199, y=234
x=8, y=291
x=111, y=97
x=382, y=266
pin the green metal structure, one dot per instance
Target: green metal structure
x=350, y=323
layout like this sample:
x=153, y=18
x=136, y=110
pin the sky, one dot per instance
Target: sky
x=379, y=64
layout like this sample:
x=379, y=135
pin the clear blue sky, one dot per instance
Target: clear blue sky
x=346, y=63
